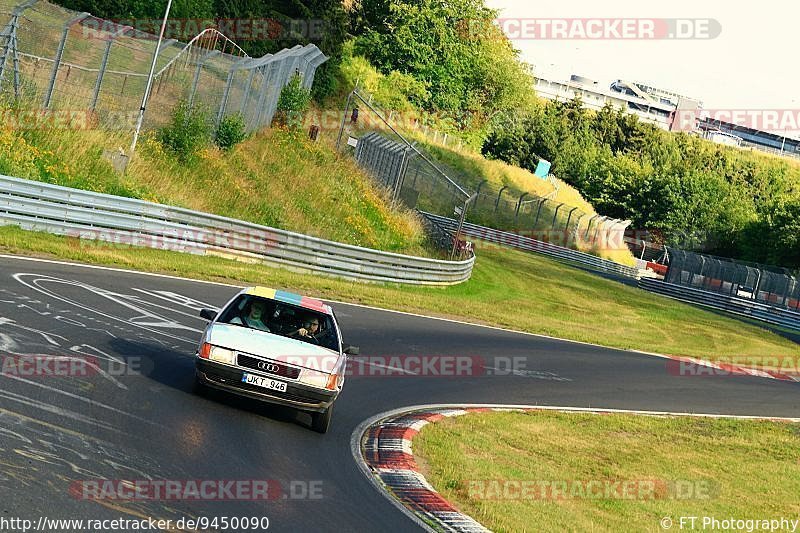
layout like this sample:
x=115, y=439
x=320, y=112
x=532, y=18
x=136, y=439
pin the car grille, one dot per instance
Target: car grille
x=268, y=367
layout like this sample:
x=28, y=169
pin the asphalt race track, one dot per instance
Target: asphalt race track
x=144, y=422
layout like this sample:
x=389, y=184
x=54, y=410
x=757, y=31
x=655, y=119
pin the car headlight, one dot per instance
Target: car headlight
x=319, y=380
x=221, y=355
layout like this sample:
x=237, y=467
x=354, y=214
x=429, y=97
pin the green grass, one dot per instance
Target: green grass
x=508, y=288
x=753, y=470
x=274, y=178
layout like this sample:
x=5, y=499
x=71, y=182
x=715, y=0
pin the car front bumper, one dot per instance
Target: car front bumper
x=229, y=378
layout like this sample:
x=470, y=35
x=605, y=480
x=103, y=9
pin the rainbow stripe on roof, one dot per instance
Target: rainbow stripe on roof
x=290, y=298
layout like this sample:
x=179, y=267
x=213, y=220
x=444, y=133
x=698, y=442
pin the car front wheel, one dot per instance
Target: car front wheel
x=320, y=422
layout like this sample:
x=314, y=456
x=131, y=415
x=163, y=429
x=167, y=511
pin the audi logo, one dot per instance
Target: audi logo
x=268, y=367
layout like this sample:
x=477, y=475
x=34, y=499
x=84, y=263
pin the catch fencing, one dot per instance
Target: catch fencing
x=771, y=285
x=521, y=242
x=411, y=178
x=744, y=307
x=89, y=215
x=54, y=59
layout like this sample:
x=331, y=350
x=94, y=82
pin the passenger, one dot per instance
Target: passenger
x=254, y=318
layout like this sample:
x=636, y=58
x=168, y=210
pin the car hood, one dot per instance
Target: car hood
x=272, y=346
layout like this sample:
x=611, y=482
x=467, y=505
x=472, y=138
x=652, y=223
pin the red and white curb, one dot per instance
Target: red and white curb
x=386, y=450
x=382, y=448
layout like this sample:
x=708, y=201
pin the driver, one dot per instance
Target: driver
x=309, y=331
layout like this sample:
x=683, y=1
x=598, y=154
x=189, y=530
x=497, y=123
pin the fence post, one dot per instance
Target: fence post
x=597, y=228
x=589, y=226
x=246, y=96
x=200, y=62
x=226, y=94
x=10, y=47
x=539, y=211
x=519, y=204
x=577, y=228
x=267, y=84
x=103, y=65
x=569, y=218
x=344, y=120
x=556, y=215
x=497, y=202
x=59, y=55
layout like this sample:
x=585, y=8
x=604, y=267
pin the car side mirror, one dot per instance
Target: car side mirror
x=208, y=314
x=351, y=350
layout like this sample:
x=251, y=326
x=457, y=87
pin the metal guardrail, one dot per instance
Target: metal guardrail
x=84, y=214
x=527, y=244
x=730, y=304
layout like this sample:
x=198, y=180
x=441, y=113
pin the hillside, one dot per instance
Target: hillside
x=274, y=178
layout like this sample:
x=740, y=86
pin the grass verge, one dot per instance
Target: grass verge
x=508, y=289
x=476, y=460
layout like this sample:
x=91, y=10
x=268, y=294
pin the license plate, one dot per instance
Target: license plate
x=260, y=381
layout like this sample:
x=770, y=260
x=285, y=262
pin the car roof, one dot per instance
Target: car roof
x=290, y=298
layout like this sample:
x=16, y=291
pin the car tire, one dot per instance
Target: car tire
x=198, y=387
x=320, y=422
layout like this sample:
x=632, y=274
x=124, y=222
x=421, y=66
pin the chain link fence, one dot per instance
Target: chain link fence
x=771, y=285
x=543, y=217
x=409, y=174
x=57, y=59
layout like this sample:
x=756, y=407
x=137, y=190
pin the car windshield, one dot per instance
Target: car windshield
x=282, y=319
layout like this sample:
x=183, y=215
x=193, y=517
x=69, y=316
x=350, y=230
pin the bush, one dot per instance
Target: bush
x=293, y=104
x=231, y=131
x=188, y=132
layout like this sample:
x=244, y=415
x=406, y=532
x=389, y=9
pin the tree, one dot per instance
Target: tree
x=465, y=61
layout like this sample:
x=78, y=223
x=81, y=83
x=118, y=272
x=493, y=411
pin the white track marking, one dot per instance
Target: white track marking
x=180, y=299
x=39, y=279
